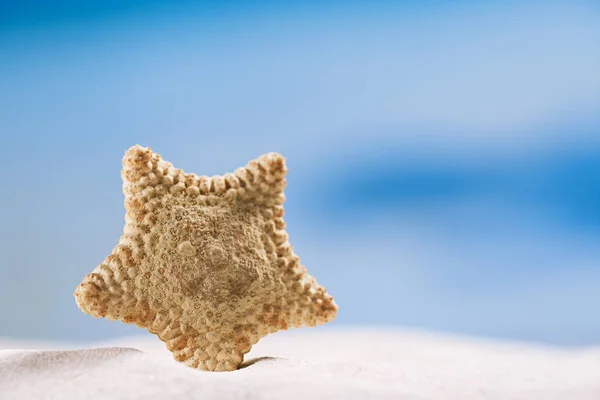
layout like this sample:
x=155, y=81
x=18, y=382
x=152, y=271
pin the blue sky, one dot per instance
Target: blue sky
x=444, y=158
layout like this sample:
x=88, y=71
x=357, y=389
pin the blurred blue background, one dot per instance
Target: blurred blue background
x=444, y=156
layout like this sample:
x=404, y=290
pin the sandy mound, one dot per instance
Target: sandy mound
x=331, y=365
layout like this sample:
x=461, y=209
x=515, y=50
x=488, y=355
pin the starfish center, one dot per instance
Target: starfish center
x=215, y=254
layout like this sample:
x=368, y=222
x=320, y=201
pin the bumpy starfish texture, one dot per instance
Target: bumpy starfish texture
x=205, y=262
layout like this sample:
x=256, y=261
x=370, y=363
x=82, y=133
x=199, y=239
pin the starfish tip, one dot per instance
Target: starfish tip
x=137, y=157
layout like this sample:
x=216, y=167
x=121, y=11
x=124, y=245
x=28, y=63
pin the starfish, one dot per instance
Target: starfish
x=205, y=262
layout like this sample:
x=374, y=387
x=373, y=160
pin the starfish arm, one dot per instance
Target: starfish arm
x=109, y=291
x=309, y=303
x=147, y=179
x=209, y=350
x=263, y=181
x=306, y=301
x=141, y=169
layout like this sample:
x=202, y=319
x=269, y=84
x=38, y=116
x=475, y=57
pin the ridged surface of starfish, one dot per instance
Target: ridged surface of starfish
x=205, y=262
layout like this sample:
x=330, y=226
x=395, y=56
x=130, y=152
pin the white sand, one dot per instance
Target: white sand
x=308, y=364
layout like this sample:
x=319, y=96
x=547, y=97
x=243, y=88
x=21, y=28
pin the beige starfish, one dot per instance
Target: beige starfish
x=205, y=263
